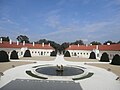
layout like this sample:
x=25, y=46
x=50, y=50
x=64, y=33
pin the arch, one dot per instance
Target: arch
x=67, y=54
x=14, y=55
x=92, y=55
x=53, y=53
x=104, y=57
x=116, y=60
x=27, y=53
x=4, y=56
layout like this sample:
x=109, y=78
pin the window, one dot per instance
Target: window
x=21, y=53
x=97, y=55
x=41, y=53
x=87, y=53
x=32, y=52
x=81, y=53
x=75, y=54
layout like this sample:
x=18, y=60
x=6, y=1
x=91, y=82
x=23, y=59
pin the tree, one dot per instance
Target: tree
x=4, y=56
x=95, y=43
x=109, y=42
x=67, y=54
x=116, y=60
x=14, y=55
x=64, y=46
x=27, y=53
x=92, y=55
x=22, y=38
x=118, y=42
x=53, y=53
x=5, y=38
x=80, y=42
x=104, y=57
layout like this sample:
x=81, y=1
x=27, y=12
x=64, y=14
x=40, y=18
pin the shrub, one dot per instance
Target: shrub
x=53, y=53
x=4, y=56
x=104, y=57
x=92, y=55
x=27, y=53
x=14, y=55
x=67, y=54
x=116, y=60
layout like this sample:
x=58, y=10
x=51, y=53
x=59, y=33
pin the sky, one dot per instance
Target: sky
x=61, y=20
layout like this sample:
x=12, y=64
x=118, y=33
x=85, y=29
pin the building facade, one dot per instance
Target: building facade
x=83, y=51
x=20, y=48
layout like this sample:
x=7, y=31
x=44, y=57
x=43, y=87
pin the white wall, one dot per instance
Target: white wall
x=80, y=53
x=40, y=52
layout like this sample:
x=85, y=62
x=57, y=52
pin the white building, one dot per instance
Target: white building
x=20, y=48
x=83, y=51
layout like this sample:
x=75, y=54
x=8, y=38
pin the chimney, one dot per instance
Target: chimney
x=69, y=46
x=78, y=45
x=97, y=47
x=33, y=43
x=23, y=43
x=10, y=41
x=86, y=45
x=49, y=44
x=17, y=42
x=0, y=40
x=108, y=43
x=43, y=45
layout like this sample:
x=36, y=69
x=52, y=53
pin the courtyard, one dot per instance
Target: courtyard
x=104, y=77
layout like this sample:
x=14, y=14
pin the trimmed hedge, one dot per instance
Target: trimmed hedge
x=104, y=57
x=4, y=56
x=14, y=55
x=67, y=54
x=92, y=55
x=53, y=53
x=116, y=60
x=27, y=53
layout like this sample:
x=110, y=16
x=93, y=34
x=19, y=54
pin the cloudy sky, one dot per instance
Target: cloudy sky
x=61, y=20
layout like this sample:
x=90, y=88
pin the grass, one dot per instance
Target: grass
x=87, y=76
x=33, y=75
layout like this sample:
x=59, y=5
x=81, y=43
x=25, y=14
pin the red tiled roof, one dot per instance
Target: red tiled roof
x=14, y=45
x=81, y=47
x=112, y=47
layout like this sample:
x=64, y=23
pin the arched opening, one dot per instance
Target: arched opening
x=116, y=60
x=53, y=53
x=14, y=55
x=4, y=56
x=67, y=54
x=92, y=55
x=27, y=53
x=104, y=57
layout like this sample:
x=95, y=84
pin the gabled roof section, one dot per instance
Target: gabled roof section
x=112, y=47
x=20, y=45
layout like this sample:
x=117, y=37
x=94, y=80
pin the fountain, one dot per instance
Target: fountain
x=59, y=68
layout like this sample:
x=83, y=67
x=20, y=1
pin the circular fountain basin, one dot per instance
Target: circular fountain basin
x=51, y=72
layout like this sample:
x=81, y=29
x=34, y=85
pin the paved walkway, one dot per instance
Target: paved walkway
x=101, y=80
